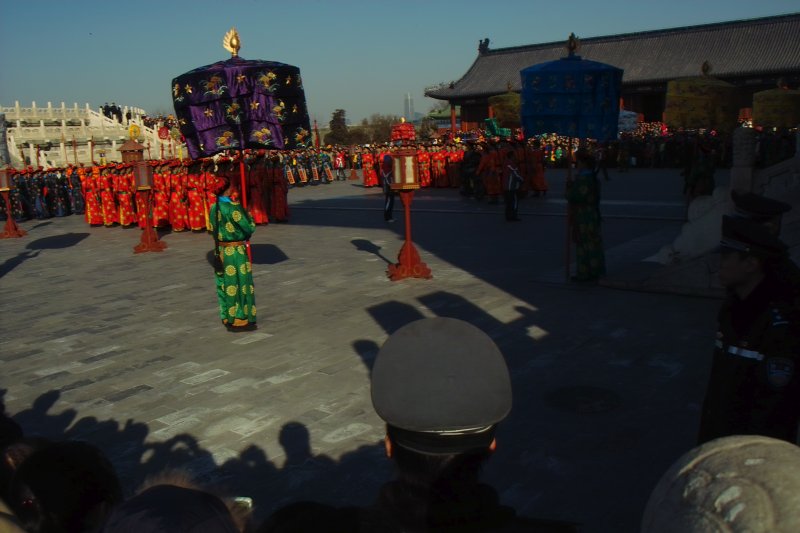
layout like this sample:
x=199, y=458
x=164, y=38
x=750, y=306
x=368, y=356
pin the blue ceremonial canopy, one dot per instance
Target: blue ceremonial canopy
x=240, y=103
x=571, y=96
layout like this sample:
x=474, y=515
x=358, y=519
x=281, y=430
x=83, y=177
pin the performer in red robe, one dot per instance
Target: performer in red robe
x=424, y=162
x=488, y=172
x=368, y=163
x=124, y=188
x=178, y=210
x=94, y=210
x=195, y=190
x=439, y=168
x=256, y=176
x=278, y=194
x=454, y=157
x=538, y=181
x=210, y=181
x=161, y=196
x=108, y=205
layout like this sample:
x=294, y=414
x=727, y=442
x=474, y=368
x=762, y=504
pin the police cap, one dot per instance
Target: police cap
x=757, y=207
x=442, y=385
x=750, y=237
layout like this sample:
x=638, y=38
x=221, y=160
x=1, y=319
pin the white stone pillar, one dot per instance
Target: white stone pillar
x=63, y=153
x=113, y=150
x=42, y=131
x=50, y=109
x=33, y=106
x=31, y=154
x=84, y=133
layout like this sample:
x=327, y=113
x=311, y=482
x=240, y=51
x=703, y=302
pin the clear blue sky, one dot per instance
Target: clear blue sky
x=361, y=56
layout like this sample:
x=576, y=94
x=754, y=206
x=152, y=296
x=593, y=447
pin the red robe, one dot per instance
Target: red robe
x=255, y=193
x=368, y=164
x=210, y=187
x=423, y=160
x=178, y=210
x=278, y=204
x=160, y=199
x=488, y=172
x=195, y=190
x=538, y=181
x=94, y=211
x=109, y=207
x=454, y=167
x=124, y=189
x=439, y=169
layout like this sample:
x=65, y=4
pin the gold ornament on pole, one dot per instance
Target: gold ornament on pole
x=231, y=42
x=134, y=131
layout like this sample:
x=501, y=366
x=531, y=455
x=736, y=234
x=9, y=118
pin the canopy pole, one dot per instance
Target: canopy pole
x=568, y=243
x=244, y=199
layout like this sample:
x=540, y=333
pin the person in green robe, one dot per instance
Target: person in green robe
x=583, y=196
x=232, y=225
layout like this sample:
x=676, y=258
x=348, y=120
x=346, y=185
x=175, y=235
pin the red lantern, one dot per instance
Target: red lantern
x=405, y=170
x=144, y=175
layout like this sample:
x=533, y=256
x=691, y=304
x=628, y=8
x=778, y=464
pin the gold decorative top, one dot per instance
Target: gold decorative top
x=573, y=44
x=231, y=42
x=134, y=131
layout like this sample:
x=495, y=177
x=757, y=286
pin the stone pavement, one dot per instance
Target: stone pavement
x=126, y=351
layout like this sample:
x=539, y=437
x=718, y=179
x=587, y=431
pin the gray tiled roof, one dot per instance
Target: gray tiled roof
x=739, y=48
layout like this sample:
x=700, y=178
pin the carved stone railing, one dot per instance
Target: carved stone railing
x=26, y=139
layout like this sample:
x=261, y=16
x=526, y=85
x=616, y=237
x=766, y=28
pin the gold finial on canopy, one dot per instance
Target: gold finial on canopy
x=573, y=44
x=231, y=42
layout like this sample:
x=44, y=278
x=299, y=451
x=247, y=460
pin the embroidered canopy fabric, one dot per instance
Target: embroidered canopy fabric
x=241, y=103
x=701, y=102
x=777, y=108
x=571, y=96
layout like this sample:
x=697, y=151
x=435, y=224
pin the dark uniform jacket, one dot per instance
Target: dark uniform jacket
x=754, y=387
x=401, y=509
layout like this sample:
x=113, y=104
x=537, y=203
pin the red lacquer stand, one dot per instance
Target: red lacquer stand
x=149, y=241
x=409, y=264
x=11, y=230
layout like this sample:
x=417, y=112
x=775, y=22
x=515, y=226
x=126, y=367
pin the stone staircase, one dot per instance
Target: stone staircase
x=59, y=135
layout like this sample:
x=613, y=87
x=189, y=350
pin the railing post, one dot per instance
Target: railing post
x=42, y=130
x=31, y=153
x=63, y=152
x=50, y=109
x=83, y=127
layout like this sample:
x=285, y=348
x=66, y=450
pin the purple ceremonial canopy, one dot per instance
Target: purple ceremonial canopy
x=240, y=103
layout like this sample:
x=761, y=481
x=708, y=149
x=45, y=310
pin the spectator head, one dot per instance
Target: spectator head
x=442, y=386
x=171, y=509
x=65, y=487
x=732, y=484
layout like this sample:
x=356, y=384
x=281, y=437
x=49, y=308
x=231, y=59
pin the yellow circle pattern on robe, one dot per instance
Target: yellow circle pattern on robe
x=237, y=216
x=231, y=290
x=254, y=311
x=240, y=249
x=230, y=270
x=229, y=251
x=229, y=227
x=232, y=310
x=242, y=269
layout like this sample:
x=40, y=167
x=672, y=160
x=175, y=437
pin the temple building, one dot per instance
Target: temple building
x=752, y=54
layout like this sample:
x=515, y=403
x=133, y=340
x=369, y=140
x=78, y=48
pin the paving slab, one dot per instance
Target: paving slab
x=126, y=350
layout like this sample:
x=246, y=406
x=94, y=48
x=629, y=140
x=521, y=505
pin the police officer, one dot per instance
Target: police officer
x=442, y=386
x=769, y=213
x=753, y=387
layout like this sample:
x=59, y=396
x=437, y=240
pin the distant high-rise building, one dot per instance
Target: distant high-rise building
x=408, y=108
